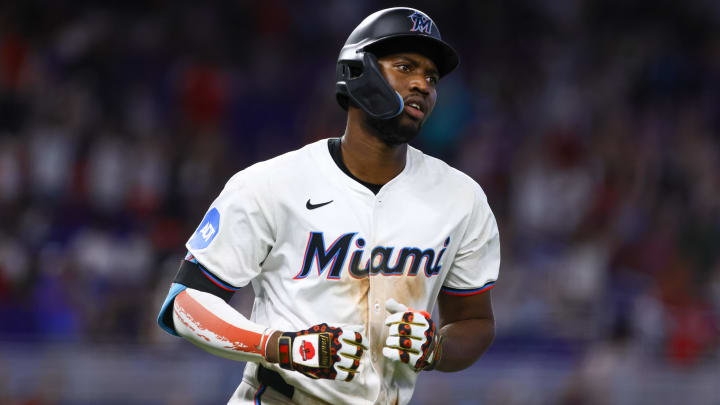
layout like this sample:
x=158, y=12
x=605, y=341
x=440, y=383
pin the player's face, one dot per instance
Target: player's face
x=415, y=77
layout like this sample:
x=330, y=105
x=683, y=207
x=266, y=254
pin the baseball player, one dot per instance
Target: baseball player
x=348, y=243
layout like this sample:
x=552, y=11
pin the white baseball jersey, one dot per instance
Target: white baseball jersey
x=318, y=247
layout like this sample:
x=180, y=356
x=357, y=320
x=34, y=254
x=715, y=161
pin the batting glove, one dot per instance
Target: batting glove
x=412, y=338
x=323, y=351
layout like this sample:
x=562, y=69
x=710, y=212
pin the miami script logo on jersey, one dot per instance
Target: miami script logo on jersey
x=335, y=256
x=421, y=23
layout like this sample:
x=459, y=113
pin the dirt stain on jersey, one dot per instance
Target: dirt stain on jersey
x=407, y=290
x=359, y=289
x=377, y=331
x=410, y=291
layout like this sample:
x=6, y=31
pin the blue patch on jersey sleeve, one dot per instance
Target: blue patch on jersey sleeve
x=175, y=289
x=208, y=229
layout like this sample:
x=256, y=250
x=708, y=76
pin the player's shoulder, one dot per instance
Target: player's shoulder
x=440, y=175
x=281, y=168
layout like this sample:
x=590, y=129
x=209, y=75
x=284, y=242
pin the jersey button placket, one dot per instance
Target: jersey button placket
x=376, y=318
x=376, y=308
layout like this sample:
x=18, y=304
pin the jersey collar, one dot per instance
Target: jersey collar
x=331, y=169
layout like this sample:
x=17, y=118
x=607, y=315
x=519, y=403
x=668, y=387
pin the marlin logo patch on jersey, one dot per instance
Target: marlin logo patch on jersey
x=335, y=256
x=421, y=23
x=207, y=230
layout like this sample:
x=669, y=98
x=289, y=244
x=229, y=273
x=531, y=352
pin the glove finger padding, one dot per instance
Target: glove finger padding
x=408, y=318
x=404, y=329
x=323, y=351
x=352, y=345
x=403, y=349
x=400, y=355
x=411, y=338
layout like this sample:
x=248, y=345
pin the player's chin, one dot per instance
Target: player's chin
x=396, y=131
x=408, y=128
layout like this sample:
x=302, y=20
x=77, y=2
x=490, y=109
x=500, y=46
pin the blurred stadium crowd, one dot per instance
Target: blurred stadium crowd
x=591, y=125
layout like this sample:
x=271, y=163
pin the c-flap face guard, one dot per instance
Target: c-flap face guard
x=371, y=91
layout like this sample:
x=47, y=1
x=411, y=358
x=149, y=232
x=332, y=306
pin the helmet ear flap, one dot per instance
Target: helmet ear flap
x=369, y=90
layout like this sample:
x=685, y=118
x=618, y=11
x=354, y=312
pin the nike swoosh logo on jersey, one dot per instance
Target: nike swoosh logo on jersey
x=312, y=206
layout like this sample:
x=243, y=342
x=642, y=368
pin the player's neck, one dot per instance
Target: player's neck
x=370, y=159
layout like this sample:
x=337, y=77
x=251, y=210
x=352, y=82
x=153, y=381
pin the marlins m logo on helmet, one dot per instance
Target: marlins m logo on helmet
x=421, y=23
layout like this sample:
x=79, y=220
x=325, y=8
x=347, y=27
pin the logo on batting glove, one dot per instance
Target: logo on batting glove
x=307, y=351
x=323, y=351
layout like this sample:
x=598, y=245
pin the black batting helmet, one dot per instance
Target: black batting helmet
x=399, y=29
